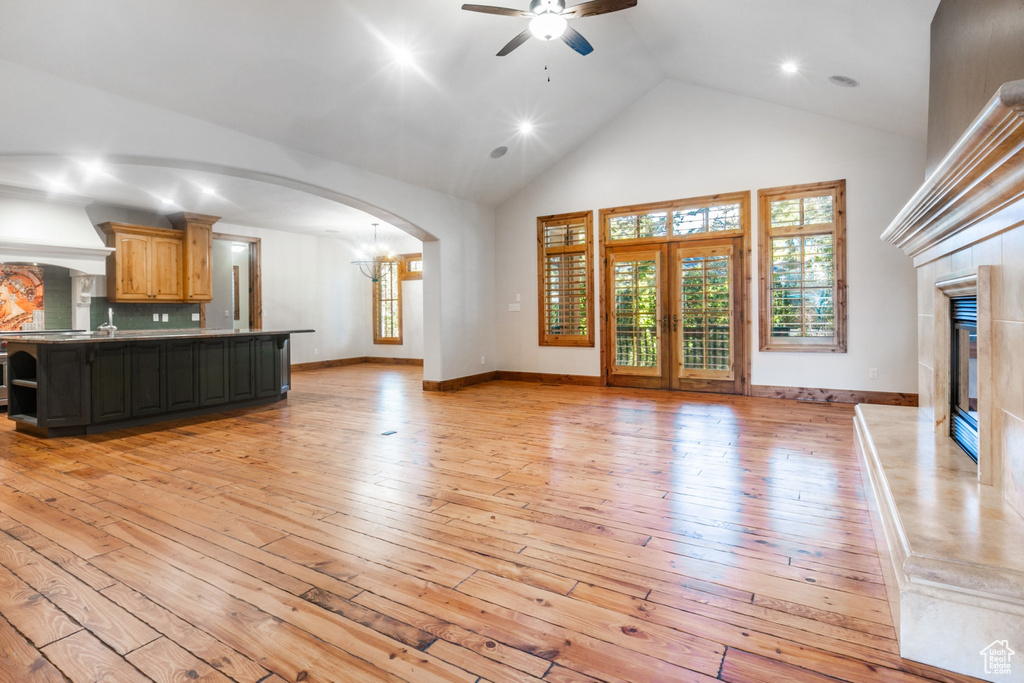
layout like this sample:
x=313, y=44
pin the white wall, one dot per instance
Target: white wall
x=219, y=312
x=240, y=259
x=54, y=116
x=685, y=141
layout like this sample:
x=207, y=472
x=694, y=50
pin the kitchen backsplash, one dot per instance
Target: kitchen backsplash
x=140, y=316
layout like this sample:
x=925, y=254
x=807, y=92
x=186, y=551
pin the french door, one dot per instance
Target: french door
x=675, y=316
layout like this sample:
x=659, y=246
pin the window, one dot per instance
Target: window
x=412, y=267
x=803, y=267
x=963, y=375
x=704, y=215
x=565, y=273
x=387, y=304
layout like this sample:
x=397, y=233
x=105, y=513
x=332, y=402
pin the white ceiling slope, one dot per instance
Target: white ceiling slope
x=319, y=75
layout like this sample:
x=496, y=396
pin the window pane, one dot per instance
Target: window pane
x=654, y=224
x=635, y=305
x=803, y=287
x=705, y=313
x=689, y=221
x=564, y=234
x=638, y=225
x=817, y=210
x=785, y=212
x=388, y=312
x=725, y=217
x=623, y=227
x=565, y=294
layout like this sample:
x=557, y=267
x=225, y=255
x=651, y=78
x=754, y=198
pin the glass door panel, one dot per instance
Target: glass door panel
x=703, y=322
x=636, y=313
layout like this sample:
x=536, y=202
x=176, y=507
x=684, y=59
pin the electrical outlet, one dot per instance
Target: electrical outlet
x=483, y=360
x=872, y=373
x=195, y=317
x=519, y=297
x=156, y=317
x=166, y=318
x=316, y=352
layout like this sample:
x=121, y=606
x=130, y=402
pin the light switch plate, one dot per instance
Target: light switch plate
x=166, y=318
x=195, y=317
x=156, y=317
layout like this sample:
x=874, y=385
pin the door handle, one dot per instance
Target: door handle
x=675, y=322
x=664, y=323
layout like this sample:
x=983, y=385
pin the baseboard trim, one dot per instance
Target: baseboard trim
x=460, y=382
x=885, y=398
x=342, y=362
x=394, y=361
x=550, y=378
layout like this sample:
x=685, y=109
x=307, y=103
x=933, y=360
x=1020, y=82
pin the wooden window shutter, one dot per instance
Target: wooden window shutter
x=565, y=270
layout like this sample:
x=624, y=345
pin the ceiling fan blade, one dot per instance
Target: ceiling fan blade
x=515, y=42
x=504, y=11
x=589, y=9
x=577, y=42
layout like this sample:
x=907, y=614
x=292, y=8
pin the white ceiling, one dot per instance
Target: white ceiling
x=320, y=75
x=238, y=201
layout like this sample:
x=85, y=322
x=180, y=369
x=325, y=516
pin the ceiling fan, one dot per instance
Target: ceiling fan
x=548, y=20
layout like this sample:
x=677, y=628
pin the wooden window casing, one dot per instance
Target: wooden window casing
x=412, y=267
x=565, y=272
x=803, y=268
x=723, y=215
x=387, y=304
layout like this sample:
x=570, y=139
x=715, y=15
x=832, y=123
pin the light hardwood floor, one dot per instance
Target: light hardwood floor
x=505, y=532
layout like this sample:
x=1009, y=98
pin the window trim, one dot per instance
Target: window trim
x=404, y=273
x=544, y=337
x=377, y=338
x=706, y=201
x=837, y=228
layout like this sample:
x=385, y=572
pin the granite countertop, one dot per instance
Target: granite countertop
x=136, y=335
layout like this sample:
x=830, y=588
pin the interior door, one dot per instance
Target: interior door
x=637, y=321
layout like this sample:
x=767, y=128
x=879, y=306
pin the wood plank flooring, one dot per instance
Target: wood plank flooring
x=505, y=532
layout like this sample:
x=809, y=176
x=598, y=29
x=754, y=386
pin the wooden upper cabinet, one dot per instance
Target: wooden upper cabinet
x=161, y=265
x=146, y=263
x=131, y=267
x=165, y=270
x=198, y=231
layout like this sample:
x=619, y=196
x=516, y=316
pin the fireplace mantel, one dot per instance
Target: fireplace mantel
x=976, y=191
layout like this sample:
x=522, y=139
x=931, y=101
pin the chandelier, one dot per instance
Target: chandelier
x=370, y=258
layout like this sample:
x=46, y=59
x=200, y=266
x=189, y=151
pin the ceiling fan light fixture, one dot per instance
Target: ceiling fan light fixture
x=548, y=26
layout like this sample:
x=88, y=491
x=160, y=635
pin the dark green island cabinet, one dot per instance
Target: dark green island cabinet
x=70, y=384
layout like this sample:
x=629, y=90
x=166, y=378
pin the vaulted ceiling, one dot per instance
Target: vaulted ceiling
x=322, y=76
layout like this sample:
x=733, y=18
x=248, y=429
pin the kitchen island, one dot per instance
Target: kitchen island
x=69, y=384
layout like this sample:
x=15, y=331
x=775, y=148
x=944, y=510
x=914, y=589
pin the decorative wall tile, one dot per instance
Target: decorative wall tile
x=1008, y=366
x=140, y=316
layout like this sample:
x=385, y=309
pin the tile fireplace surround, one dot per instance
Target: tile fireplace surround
x=951, y=533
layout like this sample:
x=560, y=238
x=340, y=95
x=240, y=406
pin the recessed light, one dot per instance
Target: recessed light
x=526, y=127
x=58, y=186
x=499, y=152
x=844, y=81
x=403, y=56
x=790, y=67
x=207, y=190
x=166, y=200
x=93, y=168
